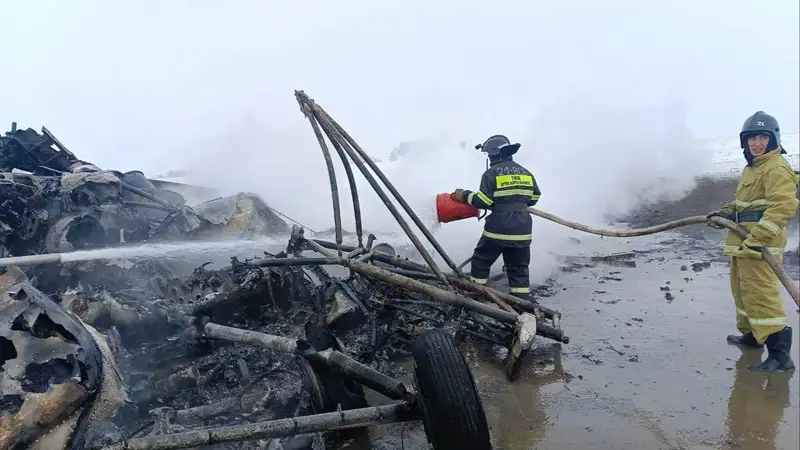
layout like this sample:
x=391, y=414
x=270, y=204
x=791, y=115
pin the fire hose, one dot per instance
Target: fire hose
x=348, y=150
x=791, y=287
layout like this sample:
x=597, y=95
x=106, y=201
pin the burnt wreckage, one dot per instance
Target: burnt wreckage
x=123, y=354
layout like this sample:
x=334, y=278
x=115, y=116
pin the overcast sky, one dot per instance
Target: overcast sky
x=117, y=79
x=157, y=84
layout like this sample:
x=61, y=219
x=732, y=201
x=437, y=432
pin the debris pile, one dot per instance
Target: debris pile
x=266, y=352
x=50, y=202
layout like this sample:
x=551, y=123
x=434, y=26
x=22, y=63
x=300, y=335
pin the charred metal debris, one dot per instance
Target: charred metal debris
x=268, y=352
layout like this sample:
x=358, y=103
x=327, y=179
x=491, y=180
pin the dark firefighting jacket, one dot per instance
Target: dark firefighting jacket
x=506, y=189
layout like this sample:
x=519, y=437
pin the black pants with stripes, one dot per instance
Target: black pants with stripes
x=516, y=260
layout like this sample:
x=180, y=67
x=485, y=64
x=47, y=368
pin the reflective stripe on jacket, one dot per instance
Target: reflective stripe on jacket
x=766, y=199
x=507, y=189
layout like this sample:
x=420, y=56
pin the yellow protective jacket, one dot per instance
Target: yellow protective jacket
x=766, y=199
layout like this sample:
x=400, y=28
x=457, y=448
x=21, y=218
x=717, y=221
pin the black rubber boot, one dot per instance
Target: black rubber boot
x=527, y=297
x=778, y=360
x=745, y=340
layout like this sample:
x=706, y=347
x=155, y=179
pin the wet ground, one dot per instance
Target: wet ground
x=709, y=194
x=648, y=366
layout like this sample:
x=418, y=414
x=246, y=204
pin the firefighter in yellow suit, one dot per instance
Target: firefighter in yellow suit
x=766, y=199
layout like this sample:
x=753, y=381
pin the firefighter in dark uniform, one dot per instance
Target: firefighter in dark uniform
x=506, y=189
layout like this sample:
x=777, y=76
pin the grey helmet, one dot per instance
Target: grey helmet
x=761, y=123
x=498, y=145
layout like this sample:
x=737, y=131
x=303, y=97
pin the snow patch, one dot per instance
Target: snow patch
x=727, y=159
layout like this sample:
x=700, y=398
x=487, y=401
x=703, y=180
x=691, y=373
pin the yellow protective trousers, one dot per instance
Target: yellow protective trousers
x=759, y=307
x=766, y=200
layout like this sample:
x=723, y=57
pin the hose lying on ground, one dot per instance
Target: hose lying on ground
x=769, y=258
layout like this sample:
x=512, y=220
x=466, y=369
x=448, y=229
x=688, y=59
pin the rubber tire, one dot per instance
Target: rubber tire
x=451, y=407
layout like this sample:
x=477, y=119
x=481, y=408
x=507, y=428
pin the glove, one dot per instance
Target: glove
x=750, y=249
x=715, y=213
x=459, y=195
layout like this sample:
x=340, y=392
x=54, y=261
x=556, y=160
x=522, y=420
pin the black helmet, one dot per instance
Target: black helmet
x=498, y=145
x=761, y=123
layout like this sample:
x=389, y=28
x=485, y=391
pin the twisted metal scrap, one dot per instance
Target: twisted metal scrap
x=345, y=144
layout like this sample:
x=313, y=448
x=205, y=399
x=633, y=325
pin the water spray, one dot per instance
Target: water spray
x=146, y=251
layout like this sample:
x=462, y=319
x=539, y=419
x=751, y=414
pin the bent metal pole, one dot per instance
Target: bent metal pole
x=330, y=131
x=353, y=190
x=351, y=180
x=392, y=189
x=305, y=101
x=337, y=213
x=338, y=420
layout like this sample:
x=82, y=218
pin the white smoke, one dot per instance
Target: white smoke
x=588, y=88
x=588, y=166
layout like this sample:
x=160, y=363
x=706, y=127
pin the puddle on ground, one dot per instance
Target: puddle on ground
x=647, y=367
x=643, y=371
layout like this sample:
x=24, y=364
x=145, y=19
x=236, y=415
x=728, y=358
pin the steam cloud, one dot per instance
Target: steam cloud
x=607, y=98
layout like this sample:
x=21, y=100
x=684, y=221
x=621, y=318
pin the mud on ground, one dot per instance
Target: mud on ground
x=709, y=194
x=648, y=366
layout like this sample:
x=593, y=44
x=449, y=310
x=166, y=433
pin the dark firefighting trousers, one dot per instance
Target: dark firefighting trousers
x=516, y=260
